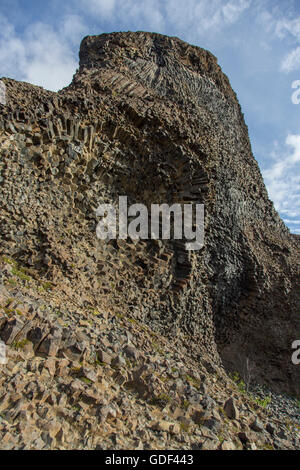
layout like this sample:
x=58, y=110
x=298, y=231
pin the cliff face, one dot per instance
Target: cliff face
x=153, y=118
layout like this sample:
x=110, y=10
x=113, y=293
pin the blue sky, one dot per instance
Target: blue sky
x=257, y=43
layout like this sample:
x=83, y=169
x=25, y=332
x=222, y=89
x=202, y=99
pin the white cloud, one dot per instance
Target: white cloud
x=283, y=24
x=282, y=179
x=50, y=59
x=190, y=15
x=105, y=8
x=265, y=19
x=291, y=221
x=144, y=12
x=286, y=26
x=43, y=55
x=205, y=15
x=232, y=10
x=12, y=49
x=192, y=19
x=294, y=141
x=292, y=61
x=72, y=28
x=280, y=21
x=140, y=14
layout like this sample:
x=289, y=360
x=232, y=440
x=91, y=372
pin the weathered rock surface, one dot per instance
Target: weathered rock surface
x=122, y=343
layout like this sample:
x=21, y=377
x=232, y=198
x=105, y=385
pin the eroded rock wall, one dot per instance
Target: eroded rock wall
x=155, y=119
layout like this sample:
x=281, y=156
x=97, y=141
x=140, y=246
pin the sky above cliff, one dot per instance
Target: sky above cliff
x=257, y=43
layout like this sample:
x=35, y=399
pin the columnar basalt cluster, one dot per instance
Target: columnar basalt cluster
x=155, y=119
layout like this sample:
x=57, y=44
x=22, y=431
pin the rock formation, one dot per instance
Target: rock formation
x=153, y=118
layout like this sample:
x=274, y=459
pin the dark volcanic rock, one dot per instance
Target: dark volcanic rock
x=153, y=118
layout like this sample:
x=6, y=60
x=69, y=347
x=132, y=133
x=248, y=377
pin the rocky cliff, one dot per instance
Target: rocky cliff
x=153, y=118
